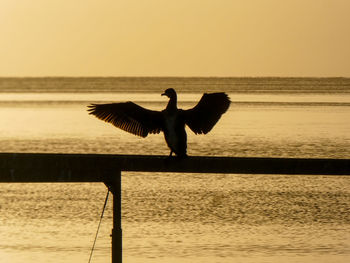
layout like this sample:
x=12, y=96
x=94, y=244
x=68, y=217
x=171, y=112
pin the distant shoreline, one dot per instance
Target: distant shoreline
x=170, y=77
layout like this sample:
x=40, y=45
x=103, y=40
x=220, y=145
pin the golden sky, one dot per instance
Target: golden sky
x=175, y=38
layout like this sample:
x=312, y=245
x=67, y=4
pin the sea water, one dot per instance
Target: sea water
x=180, y=217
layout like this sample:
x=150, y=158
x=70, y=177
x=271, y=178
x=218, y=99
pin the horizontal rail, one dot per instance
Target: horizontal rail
x=43, y=167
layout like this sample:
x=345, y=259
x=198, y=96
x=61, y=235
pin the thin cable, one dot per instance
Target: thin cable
x=99, y=224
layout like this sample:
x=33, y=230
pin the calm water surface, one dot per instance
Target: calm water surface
x=181, y=217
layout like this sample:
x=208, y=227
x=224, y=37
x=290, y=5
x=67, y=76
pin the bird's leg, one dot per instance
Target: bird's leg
x=170, y=156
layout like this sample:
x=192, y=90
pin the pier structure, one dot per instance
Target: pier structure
x=106, y=168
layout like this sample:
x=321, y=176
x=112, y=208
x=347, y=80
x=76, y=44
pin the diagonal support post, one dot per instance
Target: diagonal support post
x=114, y=185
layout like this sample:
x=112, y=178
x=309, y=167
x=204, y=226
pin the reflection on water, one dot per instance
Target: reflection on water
x=182, y=217
x=308, y=131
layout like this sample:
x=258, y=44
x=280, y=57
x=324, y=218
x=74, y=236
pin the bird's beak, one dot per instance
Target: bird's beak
x=163, y=94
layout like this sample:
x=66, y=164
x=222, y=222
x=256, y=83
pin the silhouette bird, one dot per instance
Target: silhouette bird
x=137, y=120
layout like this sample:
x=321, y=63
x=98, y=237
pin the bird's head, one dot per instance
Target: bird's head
x=170, y=93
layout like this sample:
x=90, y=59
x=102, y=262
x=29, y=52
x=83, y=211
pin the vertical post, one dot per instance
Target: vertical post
x=117, y=219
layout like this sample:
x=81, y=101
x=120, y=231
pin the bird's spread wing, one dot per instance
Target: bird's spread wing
x=129, y=117
x=203, y=117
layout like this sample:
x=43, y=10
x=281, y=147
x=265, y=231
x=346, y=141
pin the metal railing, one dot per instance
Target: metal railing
x=43, y=167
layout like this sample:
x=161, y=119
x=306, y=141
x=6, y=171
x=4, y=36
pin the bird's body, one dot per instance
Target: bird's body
x=135, y=119
x=174, y=132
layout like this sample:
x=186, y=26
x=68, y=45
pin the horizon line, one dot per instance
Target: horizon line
x=150, y=76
